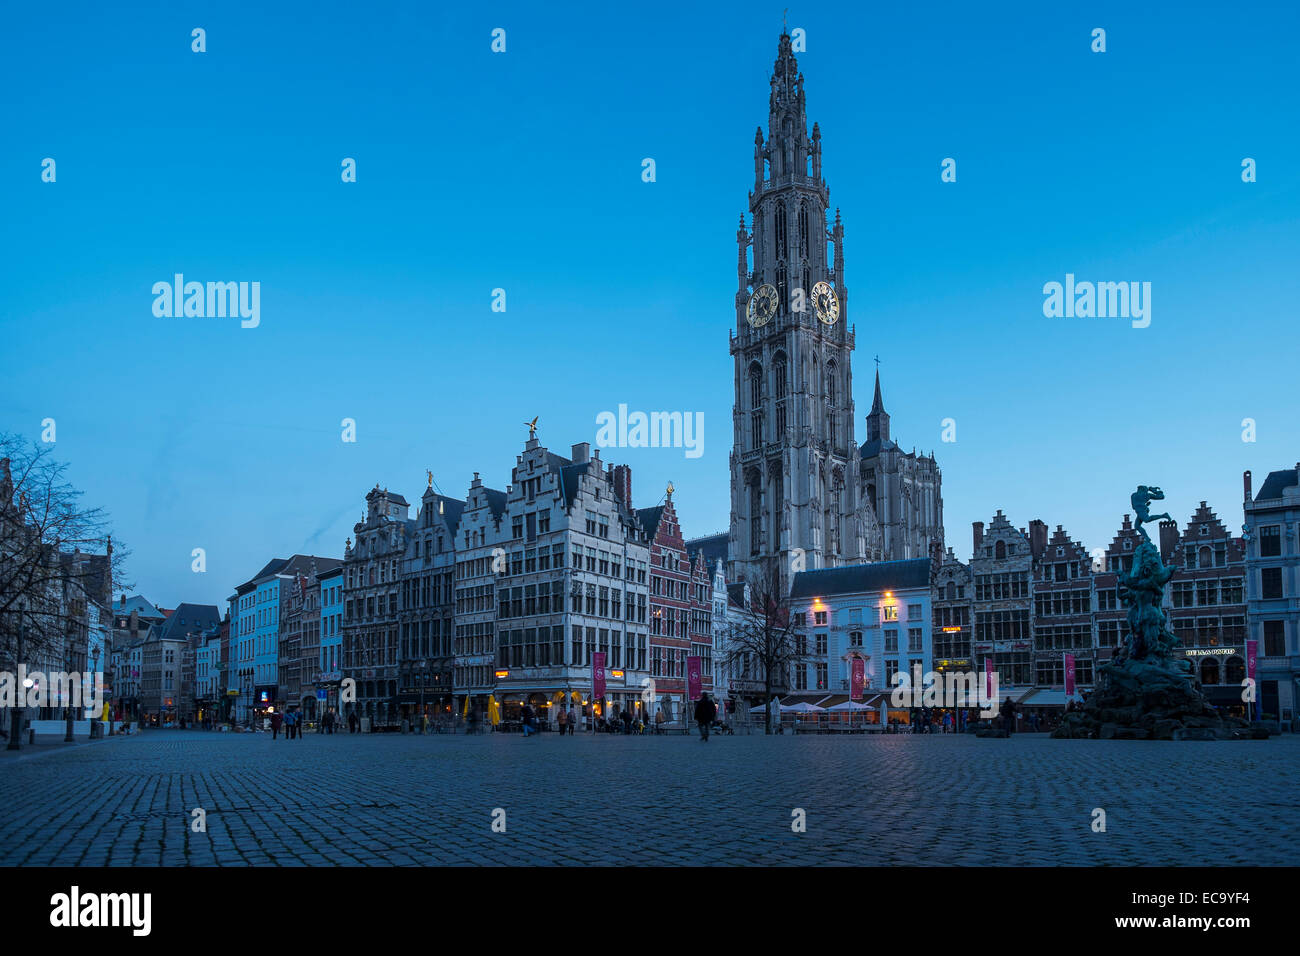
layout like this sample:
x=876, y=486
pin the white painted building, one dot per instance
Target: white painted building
x=879, y=612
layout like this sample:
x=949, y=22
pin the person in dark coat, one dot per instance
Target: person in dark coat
x=276, y=720
x=705, y=711
x=1008, y=716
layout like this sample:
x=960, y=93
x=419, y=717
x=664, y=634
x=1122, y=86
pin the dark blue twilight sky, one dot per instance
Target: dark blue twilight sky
x=522, y=171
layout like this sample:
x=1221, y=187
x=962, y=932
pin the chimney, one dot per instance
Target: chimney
x=978, y=528
x=1038, y=538
x=1245, y=482
x=622, y=483
x=581, y=452
x=1168, y=539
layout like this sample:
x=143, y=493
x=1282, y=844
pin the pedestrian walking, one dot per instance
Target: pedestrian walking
x=276, y=720
x=352, y=722
x=627, y=720
x=527, y=720
x=947, y=723
x=705, y=711
x=573, y=719
x=562, y=719
x=1008, y=716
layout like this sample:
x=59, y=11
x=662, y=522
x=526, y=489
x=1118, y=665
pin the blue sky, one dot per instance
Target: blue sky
x=522, y=171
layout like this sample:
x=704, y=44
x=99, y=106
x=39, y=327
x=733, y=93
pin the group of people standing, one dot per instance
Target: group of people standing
x=292, y=723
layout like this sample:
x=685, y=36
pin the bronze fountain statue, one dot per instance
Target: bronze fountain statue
x=1147, y=690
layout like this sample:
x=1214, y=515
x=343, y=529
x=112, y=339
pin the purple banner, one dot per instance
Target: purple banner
x=598, y=674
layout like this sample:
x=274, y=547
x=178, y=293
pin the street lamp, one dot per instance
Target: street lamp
x=16, y=721
x=94, y=676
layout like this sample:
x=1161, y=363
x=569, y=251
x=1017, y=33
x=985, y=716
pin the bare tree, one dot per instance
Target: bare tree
x=51, y=565
x=763, y=636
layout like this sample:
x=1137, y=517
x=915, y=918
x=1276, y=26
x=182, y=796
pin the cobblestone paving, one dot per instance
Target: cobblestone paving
x=376, y=800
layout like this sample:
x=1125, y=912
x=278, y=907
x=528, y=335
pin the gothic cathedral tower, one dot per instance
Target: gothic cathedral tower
x=795, y=490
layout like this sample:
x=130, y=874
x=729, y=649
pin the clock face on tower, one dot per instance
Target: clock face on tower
x=826, y=303
x=762, y=306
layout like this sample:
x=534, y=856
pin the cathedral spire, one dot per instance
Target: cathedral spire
x=878, y=419
x=788, y=145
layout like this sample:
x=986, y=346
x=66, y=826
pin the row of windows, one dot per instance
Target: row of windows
x=858, y=615
x=1002, y=587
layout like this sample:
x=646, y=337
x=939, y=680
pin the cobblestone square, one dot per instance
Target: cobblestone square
x=644, y=800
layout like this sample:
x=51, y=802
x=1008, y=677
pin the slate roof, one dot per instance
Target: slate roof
x=496, y=501
x=713, y=546
x=571, y=479
x=881, y=576
x=451, y=509
x=870, y=449
x=190, y=618
x=137, y=603
x=1275, y=482
x=649, y=518
x=298, y=564
x=736, y=594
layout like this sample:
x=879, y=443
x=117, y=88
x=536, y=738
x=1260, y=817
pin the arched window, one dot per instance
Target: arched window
x=782, y=291
x=1207, y=558
x=830, y=384
x=952, y=591
x=755, y=385
x=1236, y=670
x=755, y=516
x=1209, y=670
x=778, y=374
x=803, y=229
x=780, y=231
x=1000, y=550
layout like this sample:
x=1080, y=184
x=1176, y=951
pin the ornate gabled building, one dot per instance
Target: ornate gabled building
x=426, y=655
x=372, y=581
x=803, y=493
x=1001, y=564
x=681, y=608
x=1064, y=620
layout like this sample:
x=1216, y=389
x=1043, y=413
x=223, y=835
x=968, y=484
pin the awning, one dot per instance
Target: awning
x=1046, y=697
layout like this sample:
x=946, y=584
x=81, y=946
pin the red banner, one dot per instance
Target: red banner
x=1069, y=675
x=857, y=678
x=694, y=677
x=598, y=674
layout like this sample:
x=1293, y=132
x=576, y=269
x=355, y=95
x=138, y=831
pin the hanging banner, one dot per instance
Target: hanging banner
x=694, y=677
x=988, y=678
x=1069, y=675
x=598, y=674
x=857, y=678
